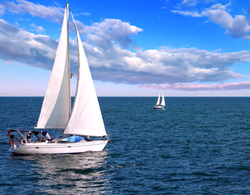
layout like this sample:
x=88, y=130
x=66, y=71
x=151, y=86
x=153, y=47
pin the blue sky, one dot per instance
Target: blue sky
x=188, y=47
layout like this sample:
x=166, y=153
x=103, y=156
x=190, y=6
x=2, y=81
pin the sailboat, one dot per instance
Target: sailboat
x=83, y=125
x=160, y=104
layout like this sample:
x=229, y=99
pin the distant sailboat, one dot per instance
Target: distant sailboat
x=160, y=104
x=85, y=119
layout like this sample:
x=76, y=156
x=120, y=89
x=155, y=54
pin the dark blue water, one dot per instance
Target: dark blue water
x=195, y=146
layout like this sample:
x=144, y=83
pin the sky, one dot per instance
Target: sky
x=188, y=47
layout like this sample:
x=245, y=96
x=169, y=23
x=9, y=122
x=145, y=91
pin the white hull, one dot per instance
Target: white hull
x=159, y=107
x=58, y=148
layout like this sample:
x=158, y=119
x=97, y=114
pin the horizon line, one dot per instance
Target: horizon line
x=128, y=96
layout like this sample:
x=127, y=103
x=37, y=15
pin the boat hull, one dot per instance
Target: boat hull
x=59, y=148
x=159, y=107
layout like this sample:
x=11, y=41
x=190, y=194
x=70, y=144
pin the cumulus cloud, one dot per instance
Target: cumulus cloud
x=2, y=10
x=237, y=27
x=189, y=3
x=25, y=47
x=85, y=14
x=178, y=65
x=37, y=28
x=21, y=6
x=106, y=32
x=187, y=13
x=114, y=63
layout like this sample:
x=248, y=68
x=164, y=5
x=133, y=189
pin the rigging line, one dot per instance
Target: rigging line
x=27, y=113
x=63, y=133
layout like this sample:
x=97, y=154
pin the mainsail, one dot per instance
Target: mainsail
x=163, y=99
x=56, y=106
x=86, y=117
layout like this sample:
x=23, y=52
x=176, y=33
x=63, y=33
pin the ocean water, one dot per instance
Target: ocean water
x=194, y=146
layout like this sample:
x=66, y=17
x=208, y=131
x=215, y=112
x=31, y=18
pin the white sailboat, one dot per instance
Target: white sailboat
x=160, y=104
x=85, y=119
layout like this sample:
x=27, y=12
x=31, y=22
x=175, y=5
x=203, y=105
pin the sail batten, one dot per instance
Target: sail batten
x=56, y=106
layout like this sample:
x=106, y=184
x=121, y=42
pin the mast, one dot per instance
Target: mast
x=68, y=62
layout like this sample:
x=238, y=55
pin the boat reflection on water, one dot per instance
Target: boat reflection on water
x=67, y=174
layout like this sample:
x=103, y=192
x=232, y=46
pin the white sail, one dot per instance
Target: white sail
x=163, y=99
x=86, y=117
x=56, y=106
x=158, y=100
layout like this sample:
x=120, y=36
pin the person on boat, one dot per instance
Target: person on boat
x=87, y=138
x=28, y=137
x=11, y=139
x=46, y=135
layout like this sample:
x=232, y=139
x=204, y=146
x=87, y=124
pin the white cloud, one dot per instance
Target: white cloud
x=115, y=63
x=53, y=13
x=37, y=28
x=237, y=27
x=218, y=14
x=85, y=14
x=2, y=10
x=21, y=46
x=189, y=3
x=187, y=13
x=104, y=33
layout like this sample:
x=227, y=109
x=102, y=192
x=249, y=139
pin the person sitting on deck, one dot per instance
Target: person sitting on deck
x=46, y=136
x=12, y=140
x=87, y=138
x=28, y=136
